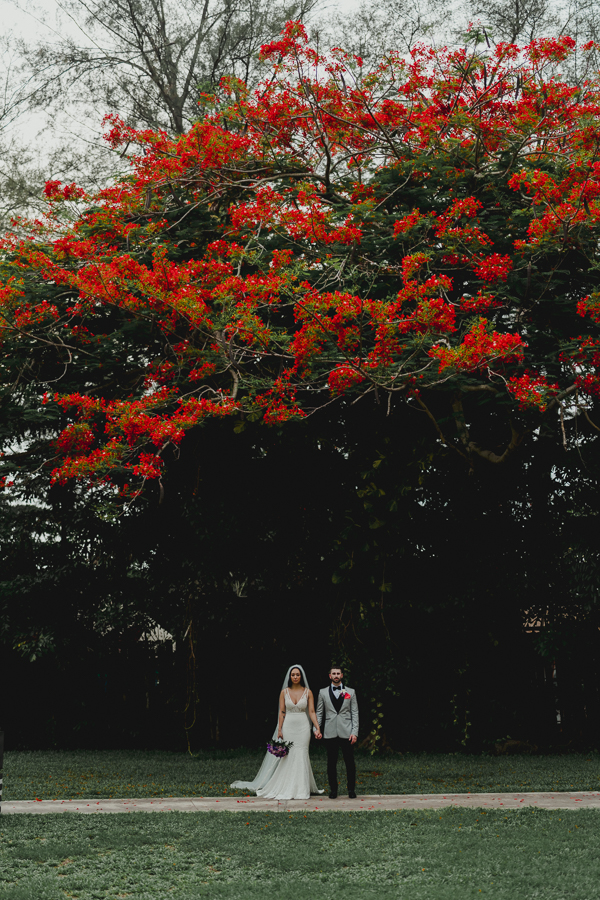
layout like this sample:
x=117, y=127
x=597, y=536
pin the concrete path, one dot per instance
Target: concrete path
x=541, y=800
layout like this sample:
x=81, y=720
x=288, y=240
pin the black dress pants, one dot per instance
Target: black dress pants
x=334, y=745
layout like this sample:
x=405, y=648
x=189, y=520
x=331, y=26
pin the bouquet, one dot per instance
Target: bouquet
x=279, y=748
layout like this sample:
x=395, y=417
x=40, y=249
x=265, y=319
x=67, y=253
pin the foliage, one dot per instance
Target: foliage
x=461, y=592
x=150, y=61
x=434, y=573
x=396, y=271
x=373, y=29
x=518, y=22
x=327, y=236
x=447, y=854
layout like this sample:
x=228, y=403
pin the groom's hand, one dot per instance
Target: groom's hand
x=318, y=735
x=352, y=738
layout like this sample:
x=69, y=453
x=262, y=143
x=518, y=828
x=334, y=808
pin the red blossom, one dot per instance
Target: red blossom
x=531, y=389
x=343, y=377
x=479, y=349
x=291, y=300
x=493, y=268
x=56, y=190
x=76, y=438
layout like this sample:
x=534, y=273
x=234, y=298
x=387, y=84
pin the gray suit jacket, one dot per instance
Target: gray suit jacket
x=341, y=724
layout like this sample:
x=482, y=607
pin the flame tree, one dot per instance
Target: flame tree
x=425, y=232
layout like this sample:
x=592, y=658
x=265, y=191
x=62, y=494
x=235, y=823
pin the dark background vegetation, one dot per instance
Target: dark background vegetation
x=465, y=602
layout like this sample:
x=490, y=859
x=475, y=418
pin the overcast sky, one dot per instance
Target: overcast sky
x=40, y=17
x=46, y=19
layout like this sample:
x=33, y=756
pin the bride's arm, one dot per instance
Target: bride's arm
x=313, y=715
x=281, y=714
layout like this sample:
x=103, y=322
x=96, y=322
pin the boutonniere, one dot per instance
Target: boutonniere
x=347, y=696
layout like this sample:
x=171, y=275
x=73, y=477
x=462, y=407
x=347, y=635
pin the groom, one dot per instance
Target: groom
x=340, y=730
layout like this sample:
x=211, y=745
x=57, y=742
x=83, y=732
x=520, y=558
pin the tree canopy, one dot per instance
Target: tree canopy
x=426, y=233
x=395, y=272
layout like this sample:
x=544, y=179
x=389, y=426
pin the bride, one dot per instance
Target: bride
x=289, y=777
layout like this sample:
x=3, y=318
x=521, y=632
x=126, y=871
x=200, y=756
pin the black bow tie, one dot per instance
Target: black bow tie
x=337, y=687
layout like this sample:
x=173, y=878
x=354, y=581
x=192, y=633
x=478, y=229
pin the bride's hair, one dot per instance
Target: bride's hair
x=290, y=684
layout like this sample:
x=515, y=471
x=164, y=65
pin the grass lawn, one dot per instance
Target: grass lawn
x=60, y=775
x=426, y=855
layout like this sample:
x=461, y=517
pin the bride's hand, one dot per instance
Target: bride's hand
x=280, y=734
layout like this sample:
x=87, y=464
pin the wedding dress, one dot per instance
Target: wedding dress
x=291, y=777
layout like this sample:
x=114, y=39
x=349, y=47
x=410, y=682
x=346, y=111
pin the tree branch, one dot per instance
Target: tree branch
x=437, y=427
x=515, y=442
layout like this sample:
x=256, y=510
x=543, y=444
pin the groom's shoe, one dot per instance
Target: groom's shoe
x=333, y=795
x=352, y=795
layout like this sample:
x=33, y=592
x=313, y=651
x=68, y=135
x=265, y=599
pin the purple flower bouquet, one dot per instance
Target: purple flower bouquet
x=279, y=748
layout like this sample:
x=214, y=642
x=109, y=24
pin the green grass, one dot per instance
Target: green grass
x=61, y=775
x=427, y=855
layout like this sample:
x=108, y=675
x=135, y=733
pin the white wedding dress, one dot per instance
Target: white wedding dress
x=290, y=777
x=293, y=777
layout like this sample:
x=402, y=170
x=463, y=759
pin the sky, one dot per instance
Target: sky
x=41, y=19
x=31, y=18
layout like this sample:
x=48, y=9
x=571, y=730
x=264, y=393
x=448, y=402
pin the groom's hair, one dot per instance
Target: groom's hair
x=335, y=666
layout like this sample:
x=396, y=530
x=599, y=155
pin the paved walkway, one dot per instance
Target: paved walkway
x=541, y=800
